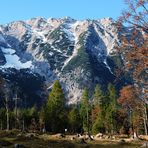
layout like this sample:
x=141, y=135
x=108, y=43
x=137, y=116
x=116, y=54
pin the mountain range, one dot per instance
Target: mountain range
x=80, y=53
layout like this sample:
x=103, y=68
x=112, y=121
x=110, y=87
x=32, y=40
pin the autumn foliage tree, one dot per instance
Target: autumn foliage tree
x=134, y=48
x=135, y=14
x=132, y=104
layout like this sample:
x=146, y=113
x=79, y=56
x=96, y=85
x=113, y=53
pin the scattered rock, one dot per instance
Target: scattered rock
x=19, y=146
x=113, y=137
x=72, y=138
x=31, y=135
x=79, y=135
x=20, y=135
x=107, y=137
x=82, y=141
x=145, y=144
x=122, y=141
x=99, y=135
x=88, y=137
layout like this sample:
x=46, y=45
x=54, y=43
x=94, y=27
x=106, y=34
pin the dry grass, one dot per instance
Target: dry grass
x=52, y=141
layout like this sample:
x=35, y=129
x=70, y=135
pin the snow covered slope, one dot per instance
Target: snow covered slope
x=13, y=61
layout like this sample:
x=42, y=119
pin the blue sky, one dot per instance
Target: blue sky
x=12, y=10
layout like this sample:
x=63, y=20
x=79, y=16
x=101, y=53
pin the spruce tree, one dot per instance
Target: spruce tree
x=74, y=120
x=55, y=109
x=85, y=111
x=111, y=108
x=97, y=111
x=2, y=118
x=98, y=95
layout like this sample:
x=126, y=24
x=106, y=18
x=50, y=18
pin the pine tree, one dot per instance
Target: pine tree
x=2, y=118
x=97, y=111
x=98, y=95
x=42, y=116
x=85, y=111
x=74, y=120
x=111, y=107
x=55, y=109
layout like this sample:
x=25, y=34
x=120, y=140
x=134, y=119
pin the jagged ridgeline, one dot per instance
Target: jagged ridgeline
x=78, y=53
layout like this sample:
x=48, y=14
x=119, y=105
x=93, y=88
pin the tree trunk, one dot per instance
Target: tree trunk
x=135, y=136
x=7, y=114
x=23, y=125
x=145, y=119
x=1, y=125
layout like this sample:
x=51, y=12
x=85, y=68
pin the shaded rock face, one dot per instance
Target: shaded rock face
x=2, y=40
x=2, y=58
x=78, y=53
x=2, y=44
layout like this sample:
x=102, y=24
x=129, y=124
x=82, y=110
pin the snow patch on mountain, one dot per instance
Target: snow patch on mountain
x=108, y=33
x=13, y=61
x=71, y=31
x=40, y=34
x=105, y=62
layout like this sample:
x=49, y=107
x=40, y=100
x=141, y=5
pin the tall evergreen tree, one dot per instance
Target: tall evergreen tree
x=85, y=111
x=98, y=95
x=111, y=108
x=97, y=110
x=55, y=109
x=2, y=118
x=74, y=120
